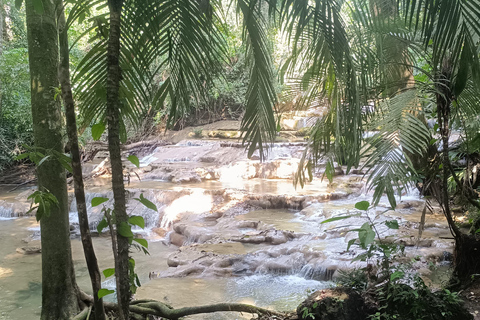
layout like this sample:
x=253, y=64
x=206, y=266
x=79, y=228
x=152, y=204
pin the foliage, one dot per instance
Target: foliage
x=407, y=297
x=198, y=132
x=395, y=290
x=15, y=110
x=43, y=201
x=125, y=230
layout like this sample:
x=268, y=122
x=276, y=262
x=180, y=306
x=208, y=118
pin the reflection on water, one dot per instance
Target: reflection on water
x=278, y=218
x=254, y=186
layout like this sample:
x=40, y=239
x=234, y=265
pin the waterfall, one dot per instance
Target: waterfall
x=6, y=210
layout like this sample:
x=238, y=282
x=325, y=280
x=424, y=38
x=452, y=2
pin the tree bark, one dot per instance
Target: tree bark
x=2, y=21
x=113, y=121
x=59, y=299
x=64, y=76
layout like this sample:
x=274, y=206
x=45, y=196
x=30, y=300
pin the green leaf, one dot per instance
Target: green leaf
x=339, y=218
x=22, y=156
x=133, y=159
x=81, y=17
x=38, y=6
x=392, y=224
x=109, y=272
x=97, y=131
x=396, y=275
x=125, y=230
x=98, y=201
x=330, y=171
x=147, y=203
x=366, y=235
x=351, y=243
x=137, y=221
x=102, y=225
x=18, y=4
x=362, y=205
x=142, y=242
x=104, y=292
x=435, y=127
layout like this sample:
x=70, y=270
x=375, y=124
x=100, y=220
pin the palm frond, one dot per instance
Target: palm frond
x=401, y=135
x=258, y=124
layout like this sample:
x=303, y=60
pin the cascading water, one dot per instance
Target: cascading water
x=229, y=246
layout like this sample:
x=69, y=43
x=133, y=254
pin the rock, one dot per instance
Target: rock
x=333, y=304
x=177, y=239
x=425, y=272
x=160, y=231
x=265, y=204
x=207, y=159
x=251, y=239
x=29, y=250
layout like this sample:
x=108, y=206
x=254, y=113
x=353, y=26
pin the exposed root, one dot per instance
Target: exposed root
x=146, y=307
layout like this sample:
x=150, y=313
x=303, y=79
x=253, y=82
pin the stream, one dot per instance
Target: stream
x=228, y=229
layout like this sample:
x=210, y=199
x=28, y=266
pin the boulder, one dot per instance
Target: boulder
x=333, y=304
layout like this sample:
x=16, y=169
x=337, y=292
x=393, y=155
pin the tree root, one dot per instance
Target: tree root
x=84, y=314
x=141, y=308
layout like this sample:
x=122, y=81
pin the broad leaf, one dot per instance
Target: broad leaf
x=102, y=225
x=362, y=205
x=396, y=275
x=133, y=159
x=366, y=235
x=97, y=131
x=392, y=224
x=104, y=292
x=125, y=230
x=98, y=201
x=142, y=242
x=109, y=272
x=147, y=203
x=137, y=221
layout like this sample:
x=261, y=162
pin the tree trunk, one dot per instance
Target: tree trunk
x=467, y=247
x=2, y=22
x=64, y=76
x=59, y=299
x=113, y=121
x=466, y=258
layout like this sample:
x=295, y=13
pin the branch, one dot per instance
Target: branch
x=457, y=181
x=160, y=309
x=84, y=314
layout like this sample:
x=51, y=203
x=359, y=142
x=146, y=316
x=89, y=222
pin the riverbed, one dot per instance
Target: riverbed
x=228, y=229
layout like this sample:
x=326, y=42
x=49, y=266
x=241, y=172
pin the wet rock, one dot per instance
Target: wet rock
x=447, y=256
x=412, y=241
x=314, y=210
x=333, y=304
x=250, y=239
x=29, y=250
x=186, y=179
x=264, y=204
x=160, y=231
x=207, y=159
x=177, y=239
x=277, y=237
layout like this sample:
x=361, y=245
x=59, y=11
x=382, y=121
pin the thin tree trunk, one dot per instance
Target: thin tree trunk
x=64, y=76
x=113, y=121
x=444, y=101
x=2, y=21
x=59, y=290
